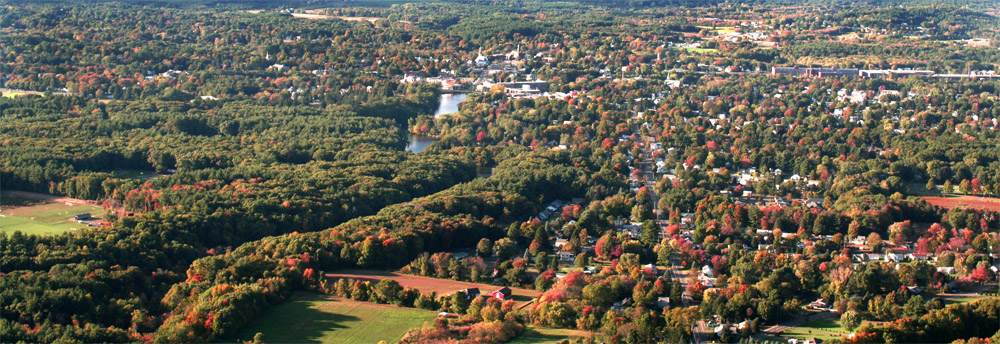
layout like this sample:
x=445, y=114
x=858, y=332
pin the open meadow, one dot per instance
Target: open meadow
x=42, y=214
x=313, y=318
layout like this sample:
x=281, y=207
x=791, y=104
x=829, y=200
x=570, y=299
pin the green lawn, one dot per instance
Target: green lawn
x=46, y=218
x=543, y=335
x=962, y=299
x=819, y=329
x=12, y=94
x=313, y=318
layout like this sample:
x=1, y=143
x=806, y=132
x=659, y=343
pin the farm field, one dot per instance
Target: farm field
x=314, y=318
x=42, y=214
x=540, y=335
x=428, y=285
x=964, y=201
x=824, y=329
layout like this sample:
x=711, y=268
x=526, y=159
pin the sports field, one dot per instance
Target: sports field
x=42, y=214
x=313, y=318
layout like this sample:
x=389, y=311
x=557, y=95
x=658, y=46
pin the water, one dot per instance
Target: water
x=419, y=143
x=449, y=103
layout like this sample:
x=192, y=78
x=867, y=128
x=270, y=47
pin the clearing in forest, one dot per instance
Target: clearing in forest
x=41, y=214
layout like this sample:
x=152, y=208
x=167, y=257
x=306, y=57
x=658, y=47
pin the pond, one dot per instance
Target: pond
x=449, y=103
x=418, y=143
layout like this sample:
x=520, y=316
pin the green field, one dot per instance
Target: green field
x=541, y=335
x=817, y=329
x=312, y=318
x=963, y=299
x=12, y=94
x=46, y=218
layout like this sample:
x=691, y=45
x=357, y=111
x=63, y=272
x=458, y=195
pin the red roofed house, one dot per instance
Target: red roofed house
x=502, y=293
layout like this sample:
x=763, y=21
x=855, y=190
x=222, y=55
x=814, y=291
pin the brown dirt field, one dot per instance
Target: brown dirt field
x=964, y=201
x=426, y=285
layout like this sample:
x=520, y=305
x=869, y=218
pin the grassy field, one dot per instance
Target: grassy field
x=313, y=318
x=542, y=335
x=963, y=299
x=12, y=94
x=42, y=217
x=817, y=329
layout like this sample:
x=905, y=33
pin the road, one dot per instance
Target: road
x=646, y=163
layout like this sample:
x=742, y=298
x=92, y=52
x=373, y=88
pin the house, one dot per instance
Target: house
x=471, y=293
x=819, y=303
x=895, y=256
x=858, y=240
x=743, y=325
x=565, y=256
x=82, y=217
x=633, y=229
x=502, y=293
x=560, y=242
x=619, y=305
x=946, y=269
x=706, y=270
x=663, y=302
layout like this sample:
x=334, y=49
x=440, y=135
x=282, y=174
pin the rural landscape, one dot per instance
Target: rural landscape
x=500, y=171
